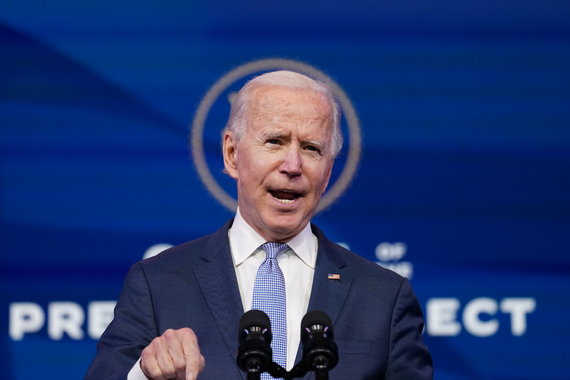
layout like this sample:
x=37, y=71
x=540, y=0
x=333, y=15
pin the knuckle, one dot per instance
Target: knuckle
x=148, y=351
x=187, y=331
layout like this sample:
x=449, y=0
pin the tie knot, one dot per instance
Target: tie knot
x=274, y=249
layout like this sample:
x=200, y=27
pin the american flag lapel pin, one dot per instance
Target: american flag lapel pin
x=334, y=276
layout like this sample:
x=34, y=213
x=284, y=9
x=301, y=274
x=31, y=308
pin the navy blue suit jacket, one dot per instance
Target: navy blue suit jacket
x=376, y=316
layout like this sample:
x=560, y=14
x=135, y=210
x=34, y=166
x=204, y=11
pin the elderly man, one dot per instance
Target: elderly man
x=178, y=314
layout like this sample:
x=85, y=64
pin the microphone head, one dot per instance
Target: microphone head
x=316, y=321
x=254, y=352
x=255, y=321
x=320, y=352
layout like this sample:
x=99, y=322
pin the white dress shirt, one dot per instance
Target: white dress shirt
x=297, y=265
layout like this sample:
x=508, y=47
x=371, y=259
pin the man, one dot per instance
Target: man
x=178, y=314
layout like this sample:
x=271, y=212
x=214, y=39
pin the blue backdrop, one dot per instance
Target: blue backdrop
x=463, y=181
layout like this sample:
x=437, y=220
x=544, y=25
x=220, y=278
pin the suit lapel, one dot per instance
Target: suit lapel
x=217, y=280
x=328, y=295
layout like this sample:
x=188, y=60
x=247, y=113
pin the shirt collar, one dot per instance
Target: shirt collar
x=244, y=241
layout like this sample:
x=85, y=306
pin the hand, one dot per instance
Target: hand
x=173, y=355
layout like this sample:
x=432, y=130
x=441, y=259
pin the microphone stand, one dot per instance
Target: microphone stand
x=322, y=375
x=254, y=370
x=253, y=376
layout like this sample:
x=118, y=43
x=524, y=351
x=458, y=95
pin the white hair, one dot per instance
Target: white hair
x=283, y=78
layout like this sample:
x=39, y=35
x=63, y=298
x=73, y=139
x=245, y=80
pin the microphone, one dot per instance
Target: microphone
x=320, y=353
x=254, y=352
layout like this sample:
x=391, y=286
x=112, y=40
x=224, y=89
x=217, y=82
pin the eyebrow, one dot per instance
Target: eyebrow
x=272, y=134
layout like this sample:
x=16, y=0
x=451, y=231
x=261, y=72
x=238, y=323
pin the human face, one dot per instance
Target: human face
x=283, y=161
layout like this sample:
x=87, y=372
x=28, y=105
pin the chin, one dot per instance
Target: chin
x=284, y=228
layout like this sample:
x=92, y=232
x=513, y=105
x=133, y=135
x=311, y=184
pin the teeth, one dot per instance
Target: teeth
x=284, y=201
x=284, y=197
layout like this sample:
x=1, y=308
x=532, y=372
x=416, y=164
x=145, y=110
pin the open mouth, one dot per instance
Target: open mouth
x=285, y=196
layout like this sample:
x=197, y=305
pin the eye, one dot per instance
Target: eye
x=313, y=148
x=272, y=141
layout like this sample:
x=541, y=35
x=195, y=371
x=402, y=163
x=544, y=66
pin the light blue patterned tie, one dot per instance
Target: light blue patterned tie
x=269, y=296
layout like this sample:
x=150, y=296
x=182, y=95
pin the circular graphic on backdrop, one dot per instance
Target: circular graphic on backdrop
x=264, y=65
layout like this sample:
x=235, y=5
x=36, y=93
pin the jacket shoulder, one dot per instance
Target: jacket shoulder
x=190, y=252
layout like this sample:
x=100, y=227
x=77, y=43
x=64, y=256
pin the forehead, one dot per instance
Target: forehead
x=283, y=103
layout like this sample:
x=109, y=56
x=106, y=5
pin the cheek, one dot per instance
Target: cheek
x=321, y=178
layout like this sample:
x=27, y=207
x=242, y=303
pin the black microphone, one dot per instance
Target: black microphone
x=320, y=353
x=254, y=352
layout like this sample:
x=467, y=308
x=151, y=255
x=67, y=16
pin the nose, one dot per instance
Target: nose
x=292, y=161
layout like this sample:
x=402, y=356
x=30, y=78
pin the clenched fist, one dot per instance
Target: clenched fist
x=173, y=355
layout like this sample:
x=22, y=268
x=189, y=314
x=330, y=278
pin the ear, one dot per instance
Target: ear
x=229, y=150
